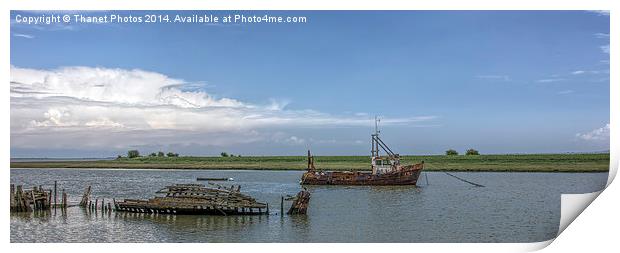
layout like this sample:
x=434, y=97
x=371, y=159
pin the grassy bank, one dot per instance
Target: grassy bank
x=530, y=163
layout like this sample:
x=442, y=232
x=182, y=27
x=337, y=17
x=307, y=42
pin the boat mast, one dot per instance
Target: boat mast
x=375, y=136
x=377, y=142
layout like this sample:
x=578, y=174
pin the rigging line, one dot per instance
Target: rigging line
x=479, y=185
x=384, y=146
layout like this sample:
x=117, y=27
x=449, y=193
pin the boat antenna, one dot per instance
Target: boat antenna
x=377, y=120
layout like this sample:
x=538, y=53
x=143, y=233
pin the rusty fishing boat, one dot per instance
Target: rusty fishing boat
x=384, y=170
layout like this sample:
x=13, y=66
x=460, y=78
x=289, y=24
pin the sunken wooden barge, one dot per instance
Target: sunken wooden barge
x=196, y=199
x=384, y=170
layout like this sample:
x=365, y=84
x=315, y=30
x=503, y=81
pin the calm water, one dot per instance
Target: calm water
x=513, y=207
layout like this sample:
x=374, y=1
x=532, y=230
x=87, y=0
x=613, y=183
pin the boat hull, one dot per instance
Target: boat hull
x=408, y=175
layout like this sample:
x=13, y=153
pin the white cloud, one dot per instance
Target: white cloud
x=103, y=122
x=494, y=77
x=600, y=12
x=118, y=86
x=564, y=92
x=81, y=106
x=599, y=134
x=21, y=35
x=602, y=35
x=605, y=49
x=578, y=72
x=55, y=117
x=590, y=72
x=550, y=80
x=295, y=140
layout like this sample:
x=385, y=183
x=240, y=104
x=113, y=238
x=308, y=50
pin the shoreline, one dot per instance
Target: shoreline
x=578, y=163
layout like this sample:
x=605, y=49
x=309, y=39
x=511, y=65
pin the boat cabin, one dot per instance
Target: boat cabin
x=385, y=164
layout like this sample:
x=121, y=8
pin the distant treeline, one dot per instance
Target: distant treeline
x=134, y=153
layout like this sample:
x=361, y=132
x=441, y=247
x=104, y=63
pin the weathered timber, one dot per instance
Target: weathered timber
x=55, y=194
x=300, y=203
x=85, y=197
x=64, y=199
x=29, y=200
x=195, y=199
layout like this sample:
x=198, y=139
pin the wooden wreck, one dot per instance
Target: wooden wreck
x=300, y=203
x=196, y=199
x=30, y=200
x=384, y=170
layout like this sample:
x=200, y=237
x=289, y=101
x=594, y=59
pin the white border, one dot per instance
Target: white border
x=582, y=235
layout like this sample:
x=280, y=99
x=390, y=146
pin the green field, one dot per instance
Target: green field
x=516, y=163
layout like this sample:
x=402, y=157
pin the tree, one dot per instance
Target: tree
x=119, y=157
x=152, y=154
x=451, y=152
x=224, y=154
x=133, y=153
x=472, y=151
x=170, y=154
x=160, y=154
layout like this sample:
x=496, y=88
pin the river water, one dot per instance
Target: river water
x=513, y=207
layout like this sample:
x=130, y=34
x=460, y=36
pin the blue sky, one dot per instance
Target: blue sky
x=497, y=81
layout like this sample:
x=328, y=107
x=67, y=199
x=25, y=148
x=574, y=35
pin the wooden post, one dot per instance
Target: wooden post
x=55, y=195
x=34, y=203
x=12, y=197
x=96, y=204
x=64, y=199
x=102, y=204
x=281, y=205
x=18, y=198
x=49, y=200
x=85, y=197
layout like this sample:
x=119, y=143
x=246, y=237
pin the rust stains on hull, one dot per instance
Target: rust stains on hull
x=408, y=175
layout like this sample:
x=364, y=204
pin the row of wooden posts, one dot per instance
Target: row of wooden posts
x=41, y=199
x=103, y=206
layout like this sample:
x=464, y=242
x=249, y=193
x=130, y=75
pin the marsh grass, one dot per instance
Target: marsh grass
x=515, y=163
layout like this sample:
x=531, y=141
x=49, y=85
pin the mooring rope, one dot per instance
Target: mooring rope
x=479, y=185
x=449, y=174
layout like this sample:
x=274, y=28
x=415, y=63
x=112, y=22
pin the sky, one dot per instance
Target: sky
x=496, y=81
